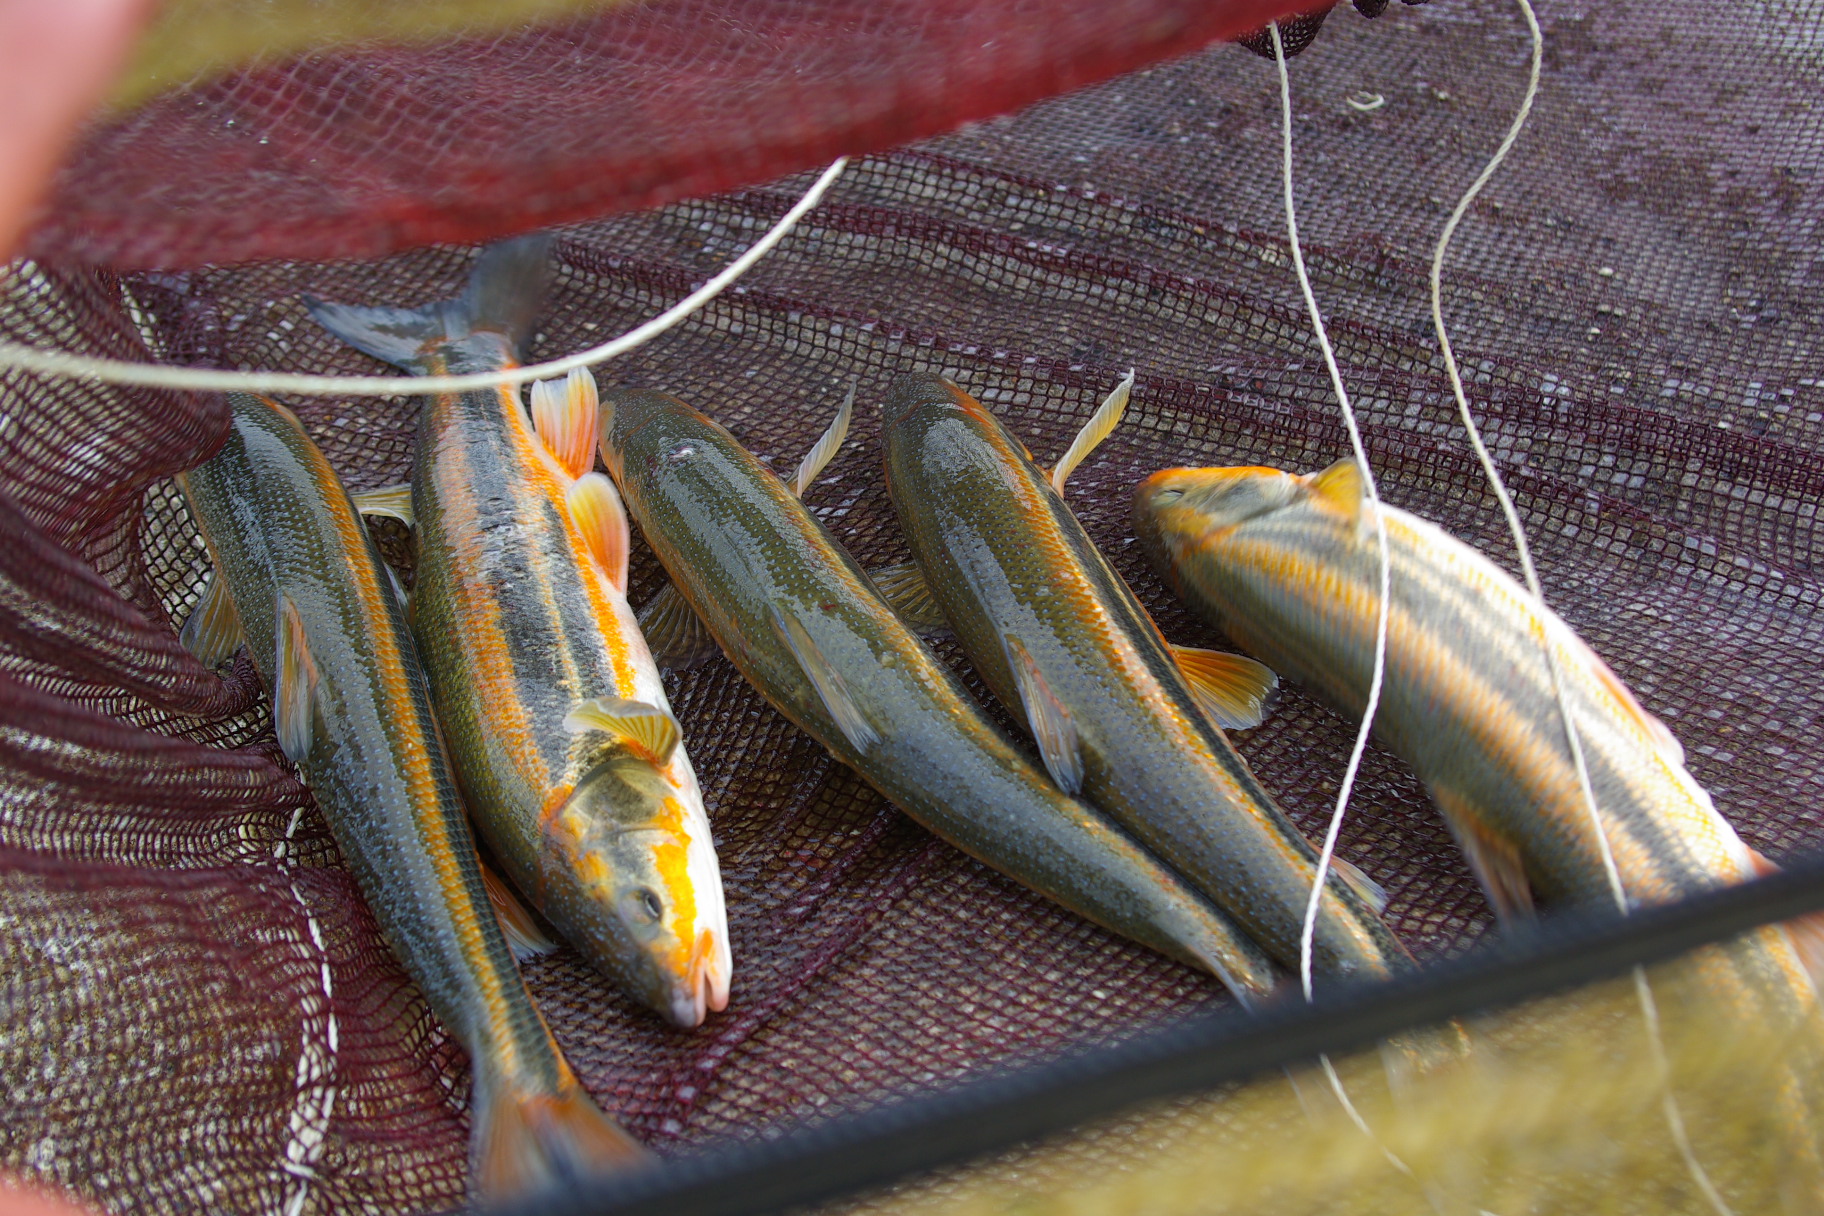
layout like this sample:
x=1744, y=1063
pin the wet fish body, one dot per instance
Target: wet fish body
x=297, y=574
x=557, y=720
x=806, y=626
x=1063, y=642
x=1288, y=567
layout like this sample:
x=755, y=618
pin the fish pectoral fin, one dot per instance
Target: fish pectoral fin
x=1340, y=485
x=675, y=633
x=647, y=727
x=1493, y=857
x=904, y=588
x=1100, y=424
x=831, y=688
x=399, y=592
x=393, y=502
x=523, y=935
x=595, y=507
x=1372, y=893
x=565, y=415
x=826, y=447
x=1232, y=689
x=294, y=683
x=212, y=631
x=1060, y=747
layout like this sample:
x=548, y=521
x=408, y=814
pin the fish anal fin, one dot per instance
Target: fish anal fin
x=1060, y=746
x=1340, y=485
x=828, y=683
x=524, y=1142
x=595, y=507
x=1493, y=857
x=565, y=415
x=212, y=631
x=294, y=683
x=392, y=502
x=826, y=447
x=1232, y=689
x=650, y=729
x=675, y=633
x=1372, y=893
x=907, y=592
x=523, y=935
x=1100, y=425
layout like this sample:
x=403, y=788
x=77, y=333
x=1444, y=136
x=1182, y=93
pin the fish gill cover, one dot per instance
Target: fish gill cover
x=198, y=1012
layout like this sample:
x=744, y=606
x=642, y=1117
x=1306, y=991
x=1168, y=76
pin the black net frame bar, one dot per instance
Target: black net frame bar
x=846, y=1156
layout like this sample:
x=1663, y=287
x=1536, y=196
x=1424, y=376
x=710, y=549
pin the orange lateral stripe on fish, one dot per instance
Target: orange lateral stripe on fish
x=1287, y=566
x=541, y=676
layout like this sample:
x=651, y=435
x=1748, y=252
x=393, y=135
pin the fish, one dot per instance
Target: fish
x=556, y=715
x=298, y=580
x=753, y=572
x=1288, y=567
x=1120, y=716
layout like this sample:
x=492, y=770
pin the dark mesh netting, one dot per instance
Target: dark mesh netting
x=196, y=1011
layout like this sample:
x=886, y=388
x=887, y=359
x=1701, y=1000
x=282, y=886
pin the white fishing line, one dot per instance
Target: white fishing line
x=1648, y=1007
x=1380, y=639
x=66, y=365
x=1374, y=510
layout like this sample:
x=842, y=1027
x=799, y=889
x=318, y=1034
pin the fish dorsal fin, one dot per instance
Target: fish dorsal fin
x=1232, y=689
x=393, y=502
x=1094, y=431
x=904, y=588
x=595, y=506
x=1340, y=485
x=831, y=688
x=523, y=935
x=212, y=631
x=675, y=633
x=1372, y=893
x=826, y=447
x=1493, y=857
x=1060, y=747
x=565, y=415
x=649, y=728
x=294, y=683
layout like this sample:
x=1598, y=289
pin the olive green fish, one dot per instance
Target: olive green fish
x=805, y=625
x=1288, y=566
x=556, y=716
x=1063, y=642
x=297, y=575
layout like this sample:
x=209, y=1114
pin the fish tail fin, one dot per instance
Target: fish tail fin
x=525, y=1140
x=507, y=287
x=505, y=290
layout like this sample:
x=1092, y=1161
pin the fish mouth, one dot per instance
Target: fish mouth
x=704, y=991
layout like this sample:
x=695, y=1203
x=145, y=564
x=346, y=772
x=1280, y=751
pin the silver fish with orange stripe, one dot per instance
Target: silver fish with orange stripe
x=1288, y=566
x=561, y=732
x=298, y=578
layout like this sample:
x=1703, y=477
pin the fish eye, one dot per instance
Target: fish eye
x=1168, y=496
x=644, y=907
x=680, y=452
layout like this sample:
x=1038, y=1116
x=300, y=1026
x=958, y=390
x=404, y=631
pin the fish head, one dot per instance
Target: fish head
x=632, y=424
x=1176, y=510
x=630, y=876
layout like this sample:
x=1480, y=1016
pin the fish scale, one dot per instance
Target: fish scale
x=1006, y=559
